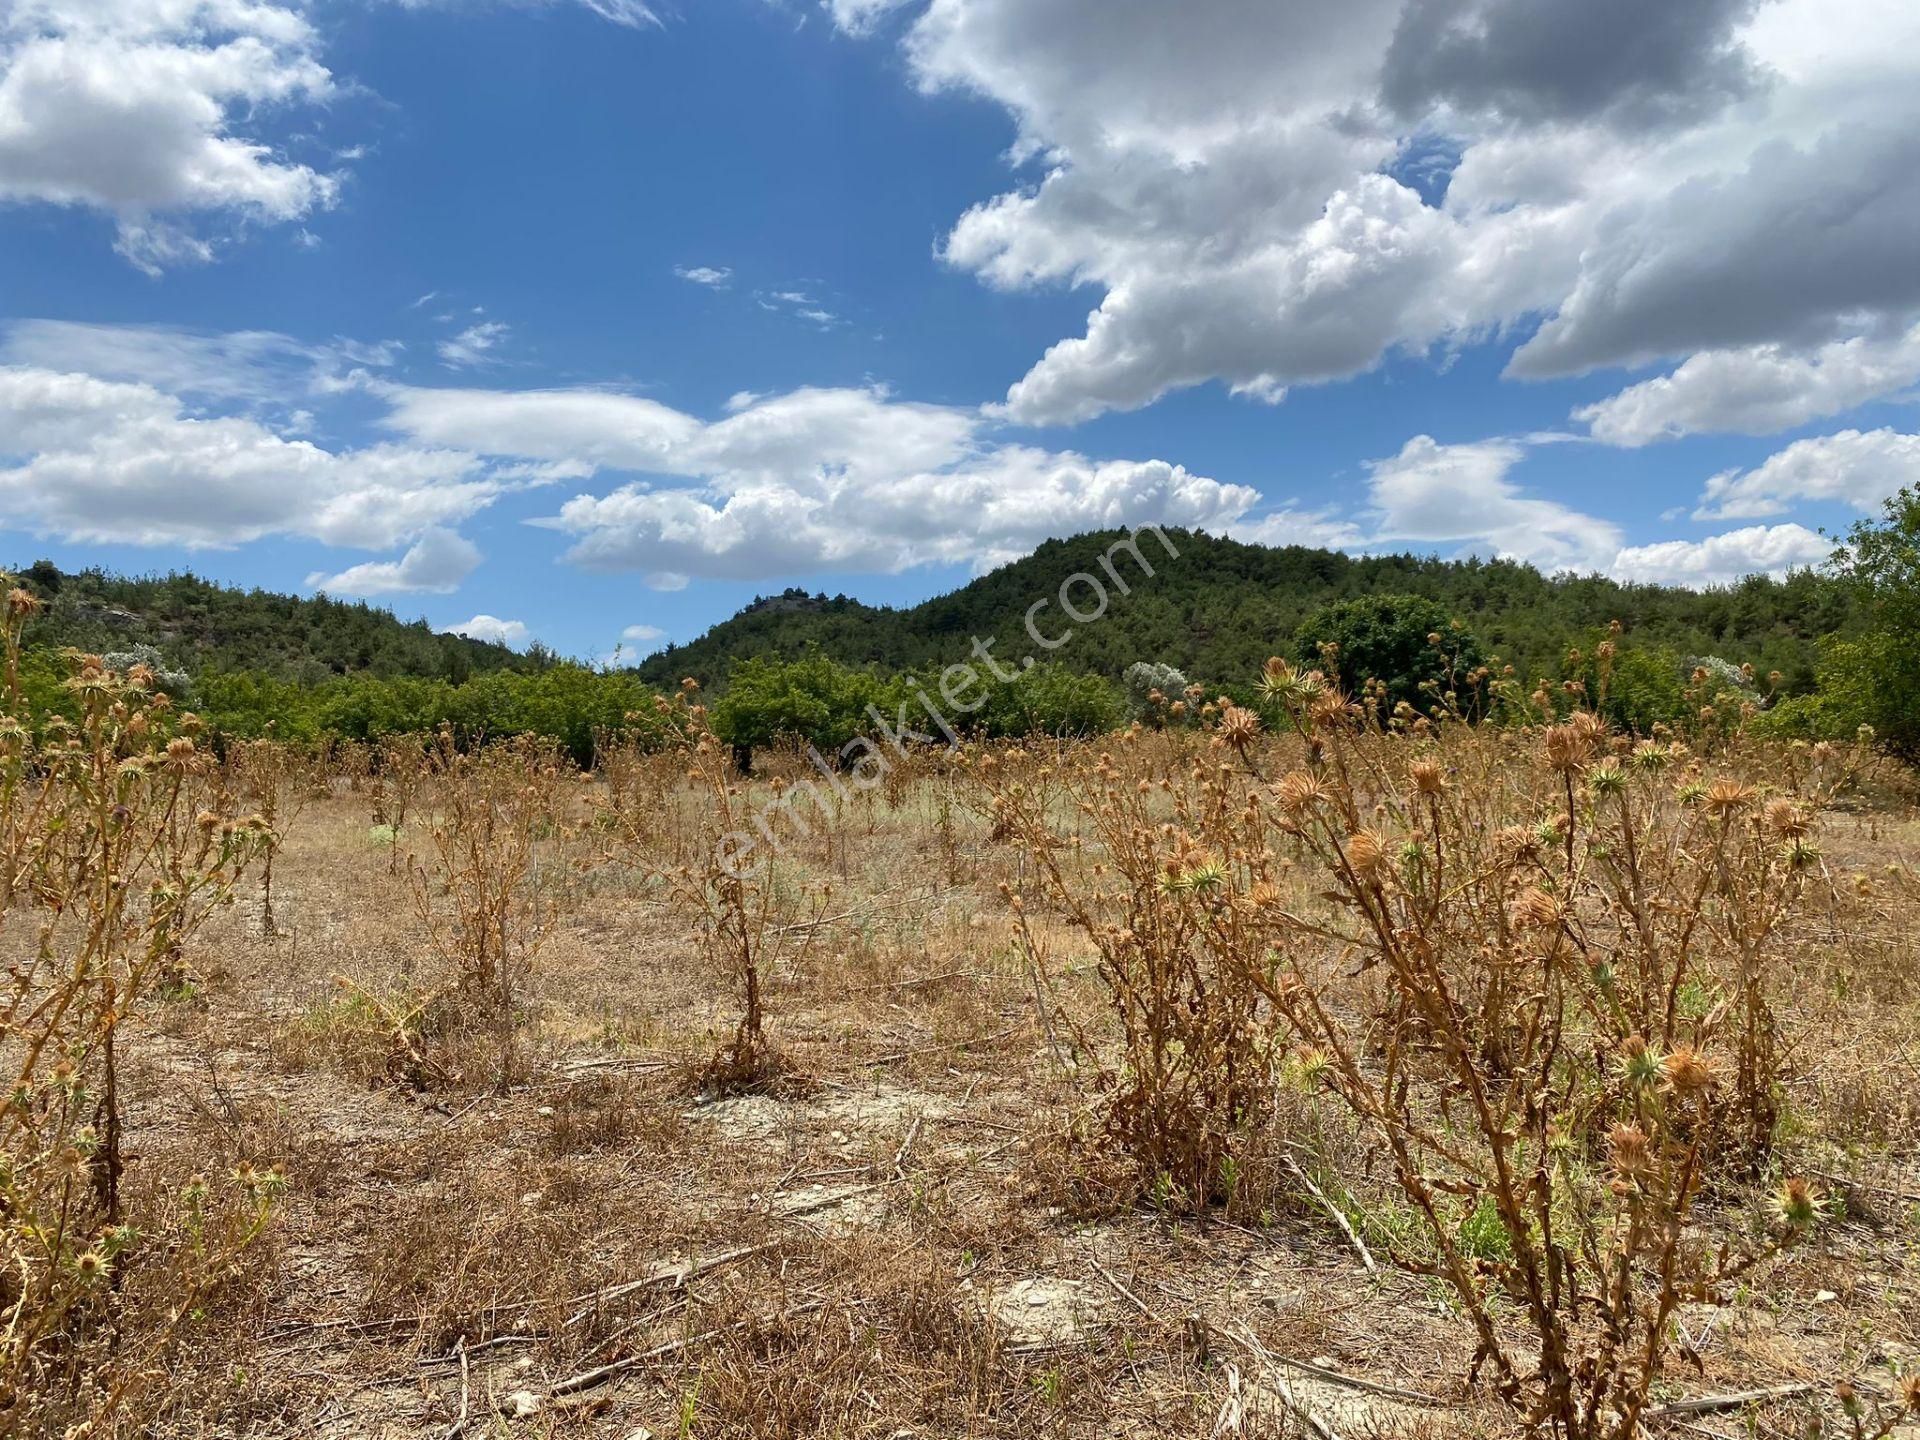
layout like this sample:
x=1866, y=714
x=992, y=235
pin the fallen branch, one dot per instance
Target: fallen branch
x=1339, y=1216
x=460, y=1424
x=600, y=1374
x=1708, y=1404
x=1121, y=1290
x=1336, y=1377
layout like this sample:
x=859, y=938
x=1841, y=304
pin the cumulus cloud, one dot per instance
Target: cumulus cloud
x=141, y=108
x=1857, y=468
x=1642, y=62
x=111, y=462
x=436, y=563
x=1462, y=495
x=1723, y=559
x=490, y=628
x=1757, y=390
x=1629, y=184
x=714, y=277
x=810, y=480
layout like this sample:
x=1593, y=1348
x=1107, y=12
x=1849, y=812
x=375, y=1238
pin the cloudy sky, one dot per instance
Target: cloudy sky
x=592, y=319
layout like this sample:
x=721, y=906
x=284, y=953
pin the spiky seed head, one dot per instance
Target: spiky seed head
x=1628, y=1142
x=1567, y=748
x=1535, y=909
x=1726, y=796
x=1686, y=1071
x=1366, y=853
x=1428, y=777
x=1783, y=817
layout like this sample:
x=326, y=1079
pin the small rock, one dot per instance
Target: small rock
x=1325, y=1362
x=544, y=1110
x=1824, y=1297
x=522, y=1403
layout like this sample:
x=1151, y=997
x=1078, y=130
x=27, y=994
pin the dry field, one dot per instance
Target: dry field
x=1076, y=1111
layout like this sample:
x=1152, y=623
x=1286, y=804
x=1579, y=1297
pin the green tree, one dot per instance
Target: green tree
x=815, y=700
x=1408, y=643
x=1873, y=678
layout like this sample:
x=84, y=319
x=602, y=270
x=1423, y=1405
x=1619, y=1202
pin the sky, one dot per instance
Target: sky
x=587, y=321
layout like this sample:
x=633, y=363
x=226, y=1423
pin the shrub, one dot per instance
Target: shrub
x=1406, y=648
x=1150, y=688
x=1050, y=699
x=814, y=700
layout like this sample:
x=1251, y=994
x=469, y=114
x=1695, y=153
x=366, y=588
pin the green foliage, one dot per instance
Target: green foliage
x=1219, y=608
x=195, y=625
x=1638, y=688
x=1141, y=680
x=1051, y=699
x=1407, y=643
x=814, y=700
x=1874, y=678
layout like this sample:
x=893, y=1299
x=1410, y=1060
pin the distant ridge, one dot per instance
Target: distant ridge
x=198, y=625
x=1219, y=607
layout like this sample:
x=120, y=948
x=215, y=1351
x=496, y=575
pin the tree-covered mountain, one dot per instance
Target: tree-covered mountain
x=199, y=626
x=1217, y=608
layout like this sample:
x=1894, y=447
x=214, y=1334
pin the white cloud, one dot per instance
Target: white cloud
x=1654, y=180
x=643, y=634
x=799, y=303
x=1757, y=390
x=437, y=562
x=1461, y=495
x=109, y=462
x=859, y=17
x=131, y=107
x=257, y=366
x=810, y=480
x=490, y=628
x=714, y=277
x=1722, y=559
x=1854, y=467
x=474, y=345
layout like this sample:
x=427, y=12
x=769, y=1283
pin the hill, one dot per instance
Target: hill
x=1217, y=608
x=200, y=626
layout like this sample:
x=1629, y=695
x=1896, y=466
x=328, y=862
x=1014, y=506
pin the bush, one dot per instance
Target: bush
x=1405, y=644
x=1050, y=699
x=814, y=700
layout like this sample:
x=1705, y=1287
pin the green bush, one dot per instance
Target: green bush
x=814, y=700
x=1050, y=699
x=1407, y=643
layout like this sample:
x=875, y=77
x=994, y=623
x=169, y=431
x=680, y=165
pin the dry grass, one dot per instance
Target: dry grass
x=933, y=1234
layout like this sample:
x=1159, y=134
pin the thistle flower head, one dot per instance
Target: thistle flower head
x=1366, y=854
x=1685, y=1071
x=1640, y=1064
x=1535, y=909
x=1628, y=1144
x=1785, y=818
x=1725, y=796
x=1797, y=1202
x=1567, y=748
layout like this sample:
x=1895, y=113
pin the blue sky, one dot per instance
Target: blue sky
x=601, y=318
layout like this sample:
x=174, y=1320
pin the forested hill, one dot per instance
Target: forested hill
x=1220, y=607
x=199, y=626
